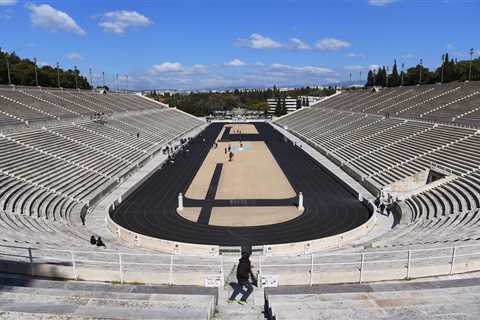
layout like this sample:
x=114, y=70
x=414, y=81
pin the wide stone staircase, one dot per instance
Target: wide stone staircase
x=29, y=298
x=444, y=299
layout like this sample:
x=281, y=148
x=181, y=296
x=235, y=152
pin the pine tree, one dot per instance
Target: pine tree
x=370, y=78
x=395, y=77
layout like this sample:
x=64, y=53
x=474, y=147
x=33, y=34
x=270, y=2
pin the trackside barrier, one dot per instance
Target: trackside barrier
x=110, y=266
x=309, y=269
x=371, y=266
x=336, y=241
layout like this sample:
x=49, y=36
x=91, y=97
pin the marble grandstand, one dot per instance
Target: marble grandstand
x=63, y=151
x=60, y=154
x=386, y=137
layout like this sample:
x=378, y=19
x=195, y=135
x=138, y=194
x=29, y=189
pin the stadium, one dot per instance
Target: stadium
x=116, y=204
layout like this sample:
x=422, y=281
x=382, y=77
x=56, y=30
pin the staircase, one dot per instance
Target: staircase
x=29, y=298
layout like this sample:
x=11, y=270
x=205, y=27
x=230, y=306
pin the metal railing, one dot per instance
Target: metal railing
x=377, y=265
x=305, y=269
x=111, y=261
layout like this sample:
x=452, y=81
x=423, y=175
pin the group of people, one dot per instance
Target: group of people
x=97, y=242
x=383, y=208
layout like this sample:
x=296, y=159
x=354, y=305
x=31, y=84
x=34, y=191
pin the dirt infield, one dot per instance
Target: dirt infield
x=244, y=128
x=253, y=174
x=243, y=216
x=251, y=216
x=190, y=213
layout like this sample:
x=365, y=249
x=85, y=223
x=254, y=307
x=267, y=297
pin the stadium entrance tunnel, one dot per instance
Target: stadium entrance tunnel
x=417, y=183
x=247, y=198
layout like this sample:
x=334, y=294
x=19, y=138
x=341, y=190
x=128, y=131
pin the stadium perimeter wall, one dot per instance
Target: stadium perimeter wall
x=181, y=248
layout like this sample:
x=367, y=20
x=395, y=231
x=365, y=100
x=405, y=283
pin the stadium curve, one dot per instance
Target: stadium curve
x=330, y=208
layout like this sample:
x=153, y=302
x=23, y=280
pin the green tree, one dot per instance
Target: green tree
x=395, y=77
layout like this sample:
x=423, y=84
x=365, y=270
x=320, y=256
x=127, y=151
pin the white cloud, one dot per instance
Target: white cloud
x=380, y=3
x=199, y=68
x=47, y=17
x=257, y=41
x=43, y=63
x=235, y=63
x=167, y=67
x=7, y=2
x=74, y=56
x=331, y=44
x=408, y=56
x=356, y=55
x=297, y=44
x=356, y=68
x=120, y=21
x=304, y=69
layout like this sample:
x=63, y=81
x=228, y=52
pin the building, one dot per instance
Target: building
x=307, y=101
x=289, y=103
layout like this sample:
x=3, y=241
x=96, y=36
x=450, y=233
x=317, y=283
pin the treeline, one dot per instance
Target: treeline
x=204, y=103
x=22, y=72
x=450, y=70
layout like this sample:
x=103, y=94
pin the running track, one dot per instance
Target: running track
x=330, y=207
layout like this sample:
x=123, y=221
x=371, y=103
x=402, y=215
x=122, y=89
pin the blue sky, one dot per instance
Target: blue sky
x=194, y=44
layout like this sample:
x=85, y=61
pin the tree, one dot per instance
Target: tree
x=395, y=77
x=370, y=79
x=22, y=72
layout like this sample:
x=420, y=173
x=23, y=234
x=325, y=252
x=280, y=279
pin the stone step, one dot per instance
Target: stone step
x=25, y=297
x=239, y=312
x=74, y=310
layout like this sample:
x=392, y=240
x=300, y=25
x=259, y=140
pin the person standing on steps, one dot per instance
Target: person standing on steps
x=244, y=272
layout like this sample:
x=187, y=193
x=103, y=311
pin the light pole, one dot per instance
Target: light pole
x=350, y=77
x=103, y=79
x=403, y=73
x=8, y=70
x=471, y=60
x=76, y=77
x=374, y=77
x=127, y=82
x=421, y=67
x=388, y=69
x=116, y=81
x=58, y=75
x=443, y=65
x=91, y=81
x=35, y=68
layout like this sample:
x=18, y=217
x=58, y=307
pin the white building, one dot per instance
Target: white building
x=307, y=101
x=290, y=104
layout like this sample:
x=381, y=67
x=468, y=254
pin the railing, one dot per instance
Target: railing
x=109, y=265
x=300, y=270
x=373, y=265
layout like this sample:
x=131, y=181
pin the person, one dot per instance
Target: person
x=381, y=207
x=138, y=135
x=100, y=243
x=230, y=156
x=244, y=272
x=93, y=241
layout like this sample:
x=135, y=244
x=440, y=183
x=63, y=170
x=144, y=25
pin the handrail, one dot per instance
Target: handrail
x=402, y=260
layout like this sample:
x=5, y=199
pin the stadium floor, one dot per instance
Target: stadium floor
x=329, y=207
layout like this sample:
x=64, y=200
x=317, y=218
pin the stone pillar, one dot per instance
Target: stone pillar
x=180, y=201
x=300, y=202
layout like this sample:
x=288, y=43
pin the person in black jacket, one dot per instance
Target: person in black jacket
x=244, y=272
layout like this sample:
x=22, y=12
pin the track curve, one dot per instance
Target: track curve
x=329, y=206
